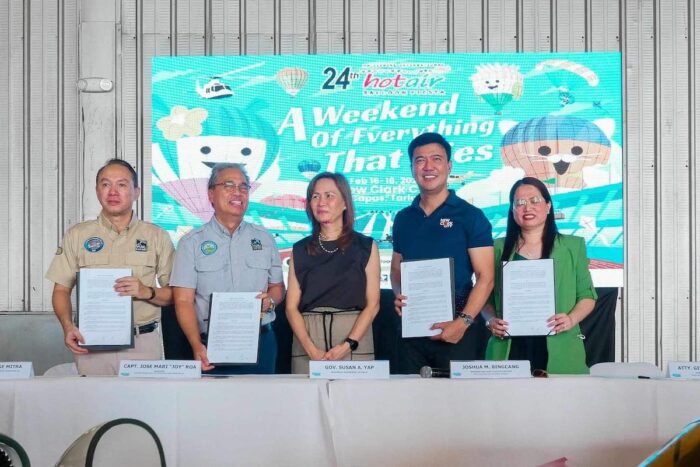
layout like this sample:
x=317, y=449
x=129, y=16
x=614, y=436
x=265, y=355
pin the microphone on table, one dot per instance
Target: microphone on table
x=427, y=372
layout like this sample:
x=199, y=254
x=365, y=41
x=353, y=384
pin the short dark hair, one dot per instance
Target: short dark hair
x=123, y=163
x=429, y=138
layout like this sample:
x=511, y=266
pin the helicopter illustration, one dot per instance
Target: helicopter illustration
x=462, y=179
x=214, y=89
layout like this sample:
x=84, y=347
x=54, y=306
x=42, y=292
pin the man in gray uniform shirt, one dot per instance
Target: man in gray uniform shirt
x=227, y=254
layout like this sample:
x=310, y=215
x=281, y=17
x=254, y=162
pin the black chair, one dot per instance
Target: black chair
x=599, y=328
x=119, y=442
x=12, y=453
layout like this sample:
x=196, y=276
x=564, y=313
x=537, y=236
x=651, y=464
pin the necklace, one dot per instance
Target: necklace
x=320, y=243
x=526, y=253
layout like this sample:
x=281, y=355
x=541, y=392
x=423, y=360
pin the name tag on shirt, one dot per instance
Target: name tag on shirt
x=16, y=370
x=160, y=369
x=370, y=369
x=683, y=370
x=484, y=369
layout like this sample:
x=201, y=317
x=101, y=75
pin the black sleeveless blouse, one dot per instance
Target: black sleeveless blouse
x=333, y=279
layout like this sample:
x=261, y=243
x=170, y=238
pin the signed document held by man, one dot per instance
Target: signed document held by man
x=528, y=296
x=429, y=288
x=105, y=318
x=234, y=327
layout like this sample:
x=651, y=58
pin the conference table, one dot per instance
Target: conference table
x=406, y=421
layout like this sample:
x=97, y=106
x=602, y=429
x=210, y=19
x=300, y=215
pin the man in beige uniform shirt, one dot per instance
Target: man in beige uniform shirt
x=116, y=239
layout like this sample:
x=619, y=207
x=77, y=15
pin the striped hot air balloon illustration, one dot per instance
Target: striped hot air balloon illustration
x=292, y=80
x=309, y=168
x=555, y=149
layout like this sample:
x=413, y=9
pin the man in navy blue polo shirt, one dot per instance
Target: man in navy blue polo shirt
x=439, y=224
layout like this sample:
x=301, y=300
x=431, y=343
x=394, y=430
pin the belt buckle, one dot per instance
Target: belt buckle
x=137, y=329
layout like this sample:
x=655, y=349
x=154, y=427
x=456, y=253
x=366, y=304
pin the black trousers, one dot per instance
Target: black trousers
x=417, y=352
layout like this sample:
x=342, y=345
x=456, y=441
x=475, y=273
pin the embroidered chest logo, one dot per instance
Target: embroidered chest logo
x=446, y=223
x=141, y=245
x=208, y=247
x=255, y=244
x=94, y=244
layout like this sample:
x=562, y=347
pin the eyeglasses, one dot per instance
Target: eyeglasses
x=230, y=186
x=537, y=373
x=522, y=202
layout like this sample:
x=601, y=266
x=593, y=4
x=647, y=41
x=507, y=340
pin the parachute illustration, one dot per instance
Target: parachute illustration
x=309, y=168
x=292, y=80
x=566, y=76
x=497, y=84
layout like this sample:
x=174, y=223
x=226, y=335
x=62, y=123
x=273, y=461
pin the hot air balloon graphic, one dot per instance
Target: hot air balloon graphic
x=497, y=84
x=309, y=168
x=292, y=80
x=181, y=167
x=555, y=149
x=566, y=76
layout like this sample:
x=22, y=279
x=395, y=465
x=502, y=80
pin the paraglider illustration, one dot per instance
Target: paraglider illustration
x=292, y=80
x=555, y=149
x=497, y=84
x=309, y=168
x=566, y=76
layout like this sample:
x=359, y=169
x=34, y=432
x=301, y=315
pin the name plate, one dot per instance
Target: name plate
x=683, y=370
x=371, y=369
x=490, y=369
x=160, y=369
x=16, y=370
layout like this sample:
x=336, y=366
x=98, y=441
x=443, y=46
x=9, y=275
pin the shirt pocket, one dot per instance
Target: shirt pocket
x=143, y=266
x=212, y=273
x=260, y=259
x=93, y=260
x=258, y=264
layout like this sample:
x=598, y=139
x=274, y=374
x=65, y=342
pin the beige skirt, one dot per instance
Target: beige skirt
x=327, y=328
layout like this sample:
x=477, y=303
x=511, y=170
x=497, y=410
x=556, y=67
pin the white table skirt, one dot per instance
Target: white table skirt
x=590, y=421
x=402, y=421
x=241, y=421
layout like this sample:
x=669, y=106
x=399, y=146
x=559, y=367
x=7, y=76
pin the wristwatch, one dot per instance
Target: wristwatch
x=272, y=306
x=468, y=320
x=353, y=344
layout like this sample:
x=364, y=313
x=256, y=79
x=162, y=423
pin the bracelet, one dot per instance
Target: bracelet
x=153, y=294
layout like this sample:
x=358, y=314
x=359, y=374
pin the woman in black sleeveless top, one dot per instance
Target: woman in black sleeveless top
x=333, y=293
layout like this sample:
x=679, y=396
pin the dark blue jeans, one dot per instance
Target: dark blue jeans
x=267, y=357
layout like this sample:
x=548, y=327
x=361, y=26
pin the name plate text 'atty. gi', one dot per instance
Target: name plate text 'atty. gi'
x=160, y=368
x=490, y=369
x=371, y=369
x=683, y=370
x=16, y=370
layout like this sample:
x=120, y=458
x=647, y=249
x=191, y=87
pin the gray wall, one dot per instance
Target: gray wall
x=53, y=138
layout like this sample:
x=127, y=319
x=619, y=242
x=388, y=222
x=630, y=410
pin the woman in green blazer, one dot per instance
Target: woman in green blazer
x=532, y=234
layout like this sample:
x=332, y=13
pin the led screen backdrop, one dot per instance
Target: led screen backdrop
x=557, y=117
